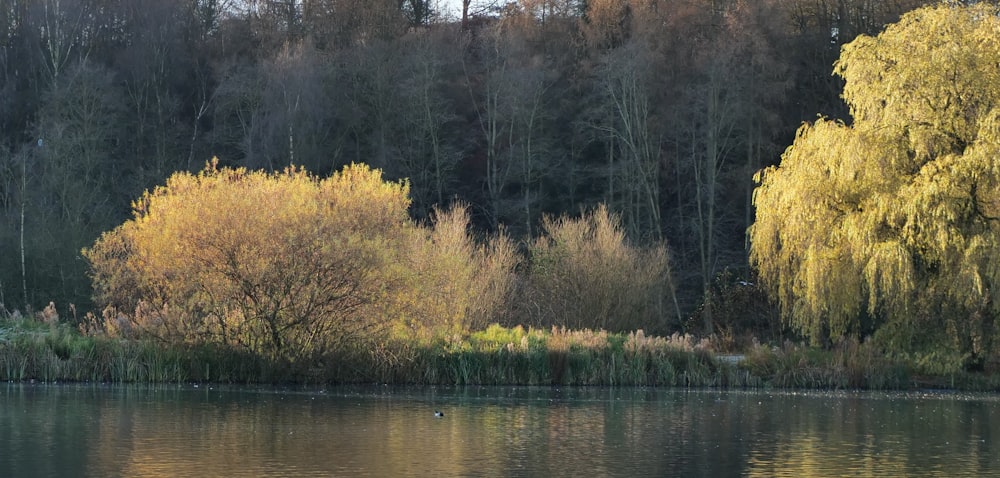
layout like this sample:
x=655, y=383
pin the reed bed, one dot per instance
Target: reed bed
x=559, y=356
x=849, y=365
x=31, y=350
x=55, y=352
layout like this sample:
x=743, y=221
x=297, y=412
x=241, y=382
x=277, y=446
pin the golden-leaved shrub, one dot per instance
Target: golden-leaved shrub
x=287, y=265
x=584, y=273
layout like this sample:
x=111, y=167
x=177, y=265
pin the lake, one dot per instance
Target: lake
x=212, y=431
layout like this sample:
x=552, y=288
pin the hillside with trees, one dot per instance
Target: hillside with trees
x=525, y=111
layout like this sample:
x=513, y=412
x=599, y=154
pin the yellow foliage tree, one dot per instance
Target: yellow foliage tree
x=285, y=265
x=892, y=223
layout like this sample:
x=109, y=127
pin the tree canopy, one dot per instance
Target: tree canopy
x=890, y=225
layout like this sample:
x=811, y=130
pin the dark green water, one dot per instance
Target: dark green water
x=188, y=431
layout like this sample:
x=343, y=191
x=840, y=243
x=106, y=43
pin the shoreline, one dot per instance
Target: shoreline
x=57, y=353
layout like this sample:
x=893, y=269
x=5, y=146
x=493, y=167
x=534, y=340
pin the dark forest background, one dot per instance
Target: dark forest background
x=661, y=109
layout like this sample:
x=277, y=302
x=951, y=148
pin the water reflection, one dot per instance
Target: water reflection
x=92, y=430
x=881, y=435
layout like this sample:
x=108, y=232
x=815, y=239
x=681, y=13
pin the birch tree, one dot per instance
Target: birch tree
x=634, y=134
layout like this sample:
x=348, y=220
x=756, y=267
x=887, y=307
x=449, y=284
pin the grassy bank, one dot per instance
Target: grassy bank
x=52, y=352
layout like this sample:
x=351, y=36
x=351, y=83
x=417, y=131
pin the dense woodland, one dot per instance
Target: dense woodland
x=661, y=109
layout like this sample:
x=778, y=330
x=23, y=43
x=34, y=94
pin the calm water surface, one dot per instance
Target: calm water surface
x=183, y=430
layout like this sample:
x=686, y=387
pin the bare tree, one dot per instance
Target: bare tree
x=472, y=9
x=633, y=135
x=276, y=112
x=297, y=106
x=153, y=67
x=60, y=26
x=430, y=155
x=490, y=88
x=238, y=112
x=339, y=24
x=78, y=127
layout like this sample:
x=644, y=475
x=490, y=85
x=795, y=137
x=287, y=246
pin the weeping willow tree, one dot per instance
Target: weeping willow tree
x=891, y=224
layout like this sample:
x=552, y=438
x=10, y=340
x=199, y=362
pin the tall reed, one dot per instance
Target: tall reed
x=34, y=350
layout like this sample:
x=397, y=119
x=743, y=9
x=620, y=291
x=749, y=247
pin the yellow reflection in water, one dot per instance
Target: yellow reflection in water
x=808, y=456
x=178, y=434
